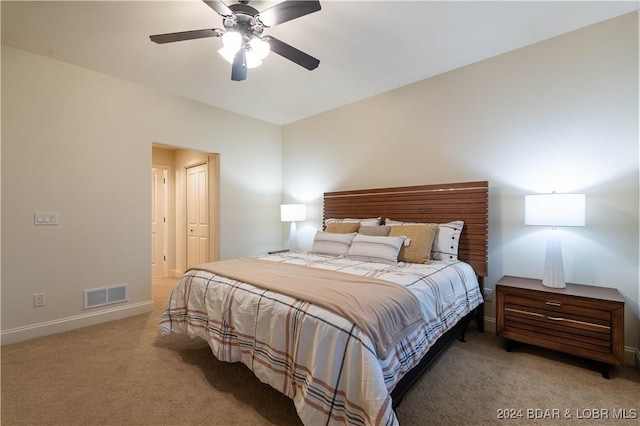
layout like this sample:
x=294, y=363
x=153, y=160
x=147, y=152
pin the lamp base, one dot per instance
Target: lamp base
x=293, y=237
x=553, y=267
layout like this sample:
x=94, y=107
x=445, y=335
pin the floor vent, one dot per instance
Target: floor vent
x=105, y=296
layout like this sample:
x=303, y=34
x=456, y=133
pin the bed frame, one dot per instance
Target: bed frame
x=439, y=203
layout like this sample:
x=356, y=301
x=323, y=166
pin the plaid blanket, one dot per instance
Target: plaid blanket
x=319, y=359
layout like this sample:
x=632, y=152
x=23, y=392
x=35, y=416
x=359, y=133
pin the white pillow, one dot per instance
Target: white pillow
x=375, y=249
x=373, y=221
x=331, y=243
x=445, y=245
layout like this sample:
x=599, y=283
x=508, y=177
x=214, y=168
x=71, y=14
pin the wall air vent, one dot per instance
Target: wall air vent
x=105, y=296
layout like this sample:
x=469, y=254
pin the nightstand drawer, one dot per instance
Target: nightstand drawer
x=560, y=330
x=556, y=322
x=558, y=307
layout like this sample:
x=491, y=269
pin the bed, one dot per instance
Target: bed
x=329, y=357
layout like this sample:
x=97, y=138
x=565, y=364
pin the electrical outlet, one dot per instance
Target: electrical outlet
x=488, y=293
x=38, y=300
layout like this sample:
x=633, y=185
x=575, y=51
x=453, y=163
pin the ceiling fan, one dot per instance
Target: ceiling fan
x=244, y=44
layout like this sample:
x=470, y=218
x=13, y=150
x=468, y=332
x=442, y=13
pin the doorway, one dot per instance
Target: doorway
x=193, y=169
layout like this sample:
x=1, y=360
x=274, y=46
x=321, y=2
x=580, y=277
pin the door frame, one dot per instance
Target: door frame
x=165, y=211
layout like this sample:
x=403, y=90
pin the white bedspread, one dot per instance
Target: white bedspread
x=317, y=358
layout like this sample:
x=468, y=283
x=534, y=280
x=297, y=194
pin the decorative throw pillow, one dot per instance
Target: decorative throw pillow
x=447, y=240
x=331, y=244
x=374, y=221
x=420, y=242
x=342, y=227
x=375, y=249
x=374, y=231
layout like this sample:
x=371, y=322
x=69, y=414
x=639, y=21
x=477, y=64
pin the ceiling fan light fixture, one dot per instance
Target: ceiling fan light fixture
x=253, y=60
x=228, y=53
x=259, y=47
x=232, y=41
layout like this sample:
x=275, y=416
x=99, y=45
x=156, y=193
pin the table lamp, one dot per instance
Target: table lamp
x=554, y=210
x=292, y=213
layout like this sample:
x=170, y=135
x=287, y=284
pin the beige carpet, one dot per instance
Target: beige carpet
x=122, y=373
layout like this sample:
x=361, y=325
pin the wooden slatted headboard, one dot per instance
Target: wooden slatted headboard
x=441, y=203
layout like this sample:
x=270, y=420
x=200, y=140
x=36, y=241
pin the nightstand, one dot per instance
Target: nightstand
x=586, y=321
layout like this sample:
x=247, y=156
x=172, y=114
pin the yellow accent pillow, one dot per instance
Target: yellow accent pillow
x=374, y=231
x=421, y=239
x=342, y=227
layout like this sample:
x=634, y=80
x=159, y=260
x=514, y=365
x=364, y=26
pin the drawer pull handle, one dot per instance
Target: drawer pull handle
x=554, y=318
x=553, y=303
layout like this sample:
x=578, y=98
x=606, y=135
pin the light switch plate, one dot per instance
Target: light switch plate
x=45, y=218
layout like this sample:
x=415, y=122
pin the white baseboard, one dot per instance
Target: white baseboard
x=630, y=356
x=20, y=334
x=490, y=324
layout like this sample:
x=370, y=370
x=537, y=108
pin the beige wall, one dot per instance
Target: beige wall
x=79, y=143
x=559, y=115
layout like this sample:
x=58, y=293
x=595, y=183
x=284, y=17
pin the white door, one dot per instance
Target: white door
x=197, y=215
x=158, y=222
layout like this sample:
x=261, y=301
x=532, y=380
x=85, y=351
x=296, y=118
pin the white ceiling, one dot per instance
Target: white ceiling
x=364, y=47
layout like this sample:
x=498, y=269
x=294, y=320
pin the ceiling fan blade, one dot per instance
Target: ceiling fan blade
x=239, y=68
x=185, y=35
x=219, y=7
x=286, y=11
x=291, y=53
